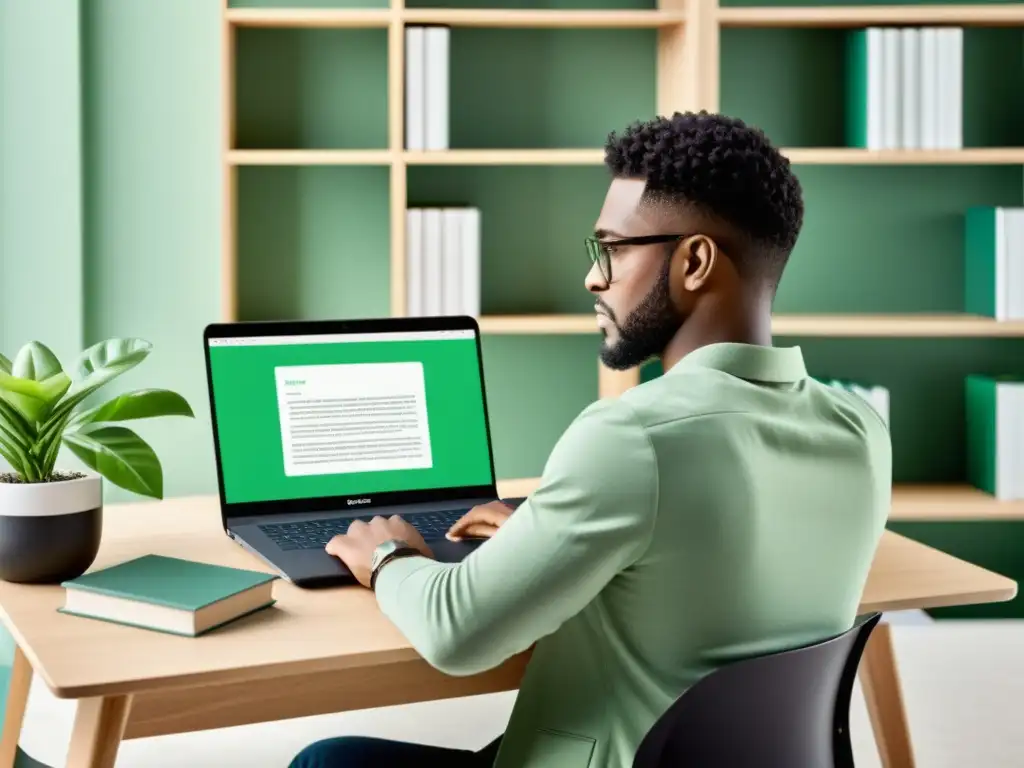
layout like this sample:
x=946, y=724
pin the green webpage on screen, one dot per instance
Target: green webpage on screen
x=346, y=414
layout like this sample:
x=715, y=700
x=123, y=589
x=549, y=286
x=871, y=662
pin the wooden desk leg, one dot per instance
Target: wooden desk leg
x=96, y=736
x=12, y=707
x=880, y=683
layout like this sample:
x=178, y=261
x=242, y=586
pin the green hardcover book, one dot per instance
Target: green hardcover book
x=994, y=409
x=864, y=77
x=984, y=262
x=169, y=594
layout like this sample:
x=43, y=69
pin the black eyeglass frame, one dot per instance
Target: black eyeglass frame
x=598, y=254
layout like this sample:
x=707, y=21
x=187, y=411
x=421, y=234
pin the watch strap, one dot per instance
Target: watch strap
x=401, y=551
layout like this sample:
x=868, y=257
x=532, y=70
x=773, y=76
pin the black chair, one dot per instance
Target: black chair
x=783, y=710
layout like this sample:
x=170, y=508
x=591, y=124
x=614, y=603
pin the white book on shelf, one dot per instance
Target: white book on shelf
x=451, y=269
x=1009, y=440
x=414, y=262
x=929, y=112
x=911, y=87
x=415, y=86
x=1016, y=419
x=891, y=80
x=954, y=99
x=470, y=252
x=432, y=261
x=1013, y=262
x=437, y=86
x=875, y=87
x=1002, y=266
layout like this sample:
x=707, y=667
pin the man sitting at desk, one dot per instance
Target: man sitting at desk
x=728, y=508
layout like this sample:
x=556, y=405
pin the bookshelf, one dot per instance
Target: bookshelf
x=286, y=141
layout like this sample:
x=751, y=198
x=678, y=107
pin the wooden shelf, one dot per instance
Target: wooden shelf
x=474, y=17
x=932, y=503
x=540, y=324
x=506, y=157
x=898, y=325
x=790, y=325
x=847, y=156
x=867, y=15
x=803, y=156
x=309, y=157
x=308, y=17
x=951, y=502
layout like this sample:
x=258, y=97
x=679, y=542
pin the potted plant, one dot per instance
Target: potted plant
x=51, y=518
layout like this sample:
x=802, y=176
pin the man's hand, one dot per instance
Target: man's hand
x=355, y=548
x=482, y=521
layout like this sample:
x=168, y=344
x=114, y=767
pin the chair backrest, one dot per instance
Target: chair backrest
x=783, y=710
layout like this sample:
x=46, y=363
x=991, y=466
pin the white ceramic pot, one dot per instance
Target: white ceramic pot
x=50, y=532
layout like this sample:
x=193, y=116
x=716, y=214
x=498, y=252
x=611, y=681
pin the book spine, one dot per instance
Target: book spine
x=470, y=254
x=451, y=283
x=911, y=87
x=1013, y=228
x=929, y=88
x=858, y=89
x=892, y=78
x=415, y=60
x=955, y=107
x=437, y=88
x=980, y=435
x=414, y=262
x=432, y=261
x=981, y=262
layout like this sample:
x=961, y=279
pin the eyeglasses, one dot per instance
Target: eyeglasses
x=600, y=251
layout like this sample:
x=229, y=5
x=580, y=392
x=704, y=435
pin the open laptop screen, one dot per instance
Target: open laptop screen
x=329, y=415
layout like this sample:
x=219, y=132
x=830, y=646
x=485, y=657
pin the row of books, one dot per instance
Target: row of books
x=995, y=435
x=442, y=272
x=994, y=262
x=426, y=87
x=905, y=88
x=875, y=395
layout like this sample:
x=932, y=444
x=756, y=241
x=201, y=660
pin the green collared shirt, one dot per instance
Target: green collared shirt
x=728, y=508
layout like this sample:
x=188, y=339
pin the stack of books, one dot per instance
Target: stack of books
x=905, y=88
x=994, y=408
x=426, y=87
x=994, y=262
x=875, y=395
x=442, y=262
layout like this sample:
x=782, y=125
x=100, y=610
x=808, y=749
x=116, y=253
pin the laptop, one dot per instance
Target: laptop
x=319, y=423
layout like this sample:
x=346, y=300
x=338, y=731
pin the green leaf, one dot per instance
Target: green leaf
x=106, y=360
x=35, y=361
x=14, y=456
x=16, y=424
x=5, y=364
x=121, y=456
x=142, y=404
x=34, y=398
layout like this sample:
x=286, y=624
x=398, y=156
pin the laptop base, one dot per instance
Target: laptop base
x=315, y=568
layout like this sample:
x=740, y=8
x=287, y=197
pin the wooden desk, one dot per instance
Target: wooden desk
x=326, y=651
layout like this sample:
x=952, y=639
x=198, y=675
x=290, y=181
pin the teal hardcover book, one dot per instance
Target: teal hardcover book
x=169, y=594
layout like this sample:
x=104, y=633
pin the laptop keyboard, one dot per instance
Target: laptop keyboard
x=314, y=534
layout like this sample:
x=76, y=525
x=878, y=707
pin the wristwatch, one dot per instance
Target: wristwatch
x=385, y=553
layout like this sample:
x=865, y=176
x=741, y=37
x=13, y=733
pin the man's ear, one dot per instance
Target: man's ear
x=694, y=261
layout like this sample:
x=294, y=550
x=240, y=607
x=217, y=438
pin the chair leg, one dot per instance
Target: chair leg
x=880, y=683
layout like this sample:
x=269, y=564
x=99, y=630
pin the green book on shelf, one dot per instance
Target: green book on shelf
x=982, y=256
x=994, y=261
x=168, y=594
x=994, y=409
x=864, y=88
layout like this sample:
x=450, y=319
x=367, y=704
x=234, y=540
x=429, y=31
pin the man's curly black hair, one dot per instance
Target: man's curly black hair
x=721, y=167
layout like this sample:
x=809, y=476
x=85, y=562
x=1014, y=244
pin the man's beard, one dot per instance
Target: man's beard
x=646, y=331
